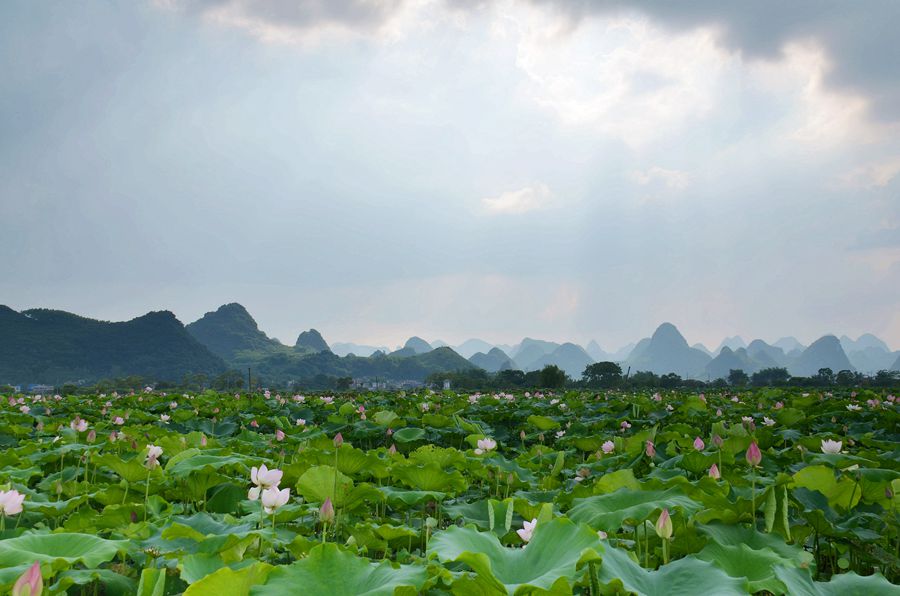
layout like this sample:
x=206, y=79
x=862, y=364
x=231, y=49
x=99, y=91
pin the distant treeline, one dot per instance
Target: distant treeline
x=600, y=375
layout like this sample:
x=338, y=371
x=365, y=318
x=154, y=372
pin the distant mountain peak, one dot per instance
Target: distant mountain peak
x=312, y=341
x=417, y=345
x=667, y=332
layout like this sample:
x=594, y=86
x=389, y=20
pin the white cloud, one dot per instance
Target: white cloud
x=872, y=175
x=623, y=77
x=672, y=179
x=530, y=198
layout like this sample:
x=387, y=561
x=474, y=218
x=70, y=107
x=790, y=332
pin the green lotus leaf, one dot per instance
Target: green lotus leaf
x=113, y=583
x=477, y=513
x=443, y=457
x=329, y=571
x=153, y=582
x=840, y=492
x=553, y=560
x=608, y=512
x=685, y=577
x=321, y=482
x=799, y=582
x=408, y=435
x=397, y=496
x=71, y=548
x=746, y=553
x=542, y=423
x=429, y=477
x=230, y=581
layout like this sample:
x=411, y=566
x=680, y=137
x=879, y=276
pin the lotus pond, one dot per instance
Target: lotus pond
x=765, y=491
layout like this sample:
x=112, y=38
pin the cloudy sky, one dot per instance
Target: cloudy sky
x=454, y=169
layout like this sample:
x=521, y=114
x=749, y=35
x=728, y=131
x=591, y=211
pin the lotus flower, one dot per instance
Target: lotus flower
x=119, y=420
x=527, y=530
x=699, y=444
x=664, y=525
x=714, y=472
x=11, y=502
x=829, y=446
x=608, y=447
x=279, y=435
x=484, y=445
x=30, y=583
x=326, y=511
x=272, y=498
x=153, y=453
x=79, y=425
x=768, y=421
x=301, y=422
x=264, y=479
x=650, y=449
x=753, y=454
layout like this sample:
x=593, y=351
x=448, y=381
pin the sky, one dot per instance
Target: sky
x=566, y=170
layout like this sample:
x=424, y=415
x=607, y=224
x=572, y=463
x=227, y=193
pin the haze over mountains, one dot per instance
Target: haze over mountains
x=47, y=346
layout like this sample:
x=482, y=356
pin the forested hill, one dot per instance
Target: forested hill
x=52, y=347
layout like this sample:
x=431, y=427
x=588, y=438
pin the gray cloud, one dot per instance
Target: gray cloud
x=859, y=37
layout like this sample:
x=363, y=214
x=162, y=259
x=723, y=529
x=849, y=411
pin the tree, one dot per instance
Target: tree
x=553, y=377
x=670, y=381
x=229, y=380
x=825, y=376
x=508, y=378
x=846, y=378
x=770, y=377
x=737, y=377
x=602, y=374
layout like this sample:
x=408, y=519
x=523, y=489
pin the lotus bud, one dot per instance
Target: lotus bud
x=203, y=440
x=279, y=435
x=718, y=441
x=522, y=435
x=30, y=583
x=698, y=444
x=393, y=449
x=338, y=440
x=650, y=449
x=714, y=472
x=664, y=525
x=326, y=512
x=753, y=454
x=92, y=436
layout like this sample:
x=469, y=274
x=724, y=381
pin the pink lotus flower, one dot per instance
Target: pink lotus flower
x=272, y=498
x=79, y=425
x=714, y=472
x=164, y=418
x=301, y=422
x=754, y=456
x=30, y=583
x=263, y=478
x=527, y=530
x=608, y=447
x=279, y=435
x=254, y=424
x=119, y=420
x=664, y=525
x=326, y=511
x=699, y=444
x=650, y=449
x=11, y=502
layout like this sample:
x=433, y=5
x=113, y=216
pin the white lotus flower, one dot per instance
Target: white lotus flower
x=485, y=445
x=527, y=530
x=829, y=446
x=264, y=479
x=272, y=498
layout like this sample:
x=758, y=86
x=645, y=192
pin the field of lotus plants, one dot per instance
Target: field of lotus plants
x=767, y=491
